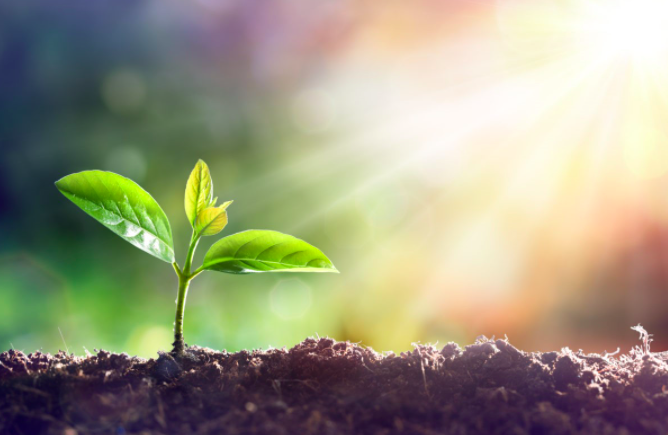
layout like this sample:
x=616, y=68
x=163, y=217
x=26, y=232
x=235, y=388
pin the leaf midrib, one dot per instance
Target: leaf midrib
x=204, y=228
x=198, y=191
x=246, y=259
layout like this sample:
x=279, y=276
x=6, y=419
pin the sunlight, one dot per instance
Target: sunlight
x=637, y=29
x=502, y=148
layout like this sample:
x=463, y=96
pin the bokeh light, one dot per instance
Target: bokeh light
x=495, y=167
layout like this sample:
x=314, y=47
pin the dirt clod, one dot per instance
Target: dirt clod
x=327, y=387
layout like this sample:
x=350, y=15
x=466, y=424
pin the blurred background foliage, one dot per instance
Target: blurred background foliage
x=470, y=167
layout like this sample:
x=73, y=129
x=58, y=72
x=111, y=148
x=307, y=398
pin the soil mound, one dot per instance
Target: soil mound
x=322, y=386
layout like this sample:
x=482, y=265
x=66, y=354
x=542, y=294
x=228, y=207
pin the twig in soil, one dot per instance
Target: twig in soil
x=366, y=367
x=276, y=384
x=609, y=354
x=424, y=377
x=63, y=337
x=424, y=374
x=31, y=390
x=644, y=336
x=160, y=416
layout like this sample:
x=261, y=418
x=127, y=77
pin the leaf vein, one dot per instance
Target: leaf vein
x=240, y=247
x=119, y=213
x=272, y=246
x=292, y=253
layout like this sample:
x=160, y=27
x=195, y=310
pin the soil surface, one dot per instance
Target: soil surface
x=326, y=387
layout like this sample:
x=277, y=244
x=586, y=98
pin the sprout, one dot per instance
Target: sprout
x=125, y=208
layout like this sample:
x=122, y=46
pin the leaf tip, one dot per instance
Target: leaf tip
x=62, y=183
x=226, y=204
x=330, y=268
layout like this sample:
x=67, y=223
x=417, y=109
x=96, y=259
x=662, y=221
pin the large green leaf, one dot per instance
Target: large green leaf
x=265, y=251
x=123, y=207
x=199, y=191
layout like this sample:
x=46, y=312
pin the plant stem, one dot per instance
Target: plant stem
x=184, y=282
x=194, y=239
x=179, y=343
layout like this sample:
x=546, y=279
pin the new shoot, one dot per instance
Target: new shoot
x=125, y=208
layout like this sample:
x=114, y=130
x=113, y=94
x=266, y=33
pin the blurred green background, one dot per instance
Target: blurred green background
x=468, y=173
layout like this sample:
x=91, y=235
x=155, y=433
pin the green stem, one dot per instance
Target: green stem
x=184, y=282
x=179, y=343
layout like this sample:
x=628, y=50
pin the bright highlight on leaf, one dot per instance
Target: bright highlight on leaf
x=121, y=205
x=199, y=191
x=129, y=211
x=265, y=251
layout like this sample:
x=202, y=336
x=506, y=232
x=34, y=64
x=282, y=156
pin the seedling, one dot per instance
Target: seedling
x=125, y=208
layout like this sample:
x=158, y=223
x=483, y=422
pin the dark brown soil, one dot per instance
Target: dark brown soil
x=328, y=387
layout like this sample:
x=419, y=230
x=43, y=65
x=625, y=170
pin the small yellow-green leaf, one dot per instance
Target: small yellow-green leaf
x=213, y=202
x=224, y=205
x=199, y=191
x=265, y=251
x=211, y=221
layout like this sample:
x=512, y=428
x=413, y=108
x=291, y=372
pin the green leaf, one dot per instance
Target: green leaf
x=199, y=191
x=265, y=251
x=210, y=221
x=224, y=205
x=123, y=207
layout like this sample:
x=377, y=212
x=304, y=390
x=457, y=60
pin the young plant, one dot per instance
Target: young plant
x=129, y=211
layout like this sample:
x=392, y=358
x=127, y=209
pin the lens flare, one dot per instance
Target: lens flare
x=636, y=29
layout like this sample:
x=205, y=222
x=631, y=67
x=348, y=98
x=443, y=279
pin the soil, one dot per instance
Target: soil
x=322, y=386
